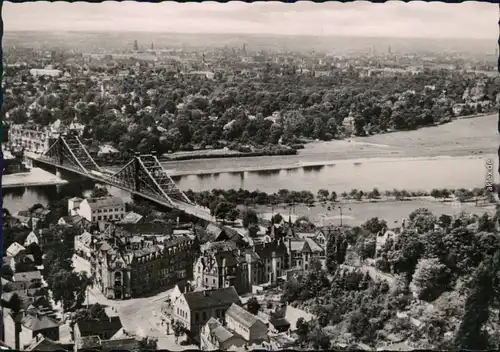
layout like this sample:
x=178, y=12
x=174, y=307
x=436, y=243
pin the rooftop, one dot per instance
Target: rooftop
x=27, y=276
x=105, y=202
x=241, y=315
x=212, y=298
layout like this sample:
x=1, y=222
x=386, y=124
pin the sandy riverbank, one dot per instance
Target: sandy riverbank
x=36, y=177
x=474, y=137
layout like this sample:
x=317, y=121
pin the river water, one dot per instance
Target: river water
x=340, y=176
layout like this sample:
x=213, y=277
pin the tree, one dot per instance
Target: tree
x=99, y=192
x=179, y=330
x=233, y=215
x=253, y=305
x=7, y=272
x=423, y=220
x=430, y=279
x=375, y=225
x=302, y=330
x=35, y=250
x=323, y=195
x=336, y=249
x=149, y=343
x=15, y=303
x=277, y=218
x=249, y=216
x=315, y=265
x=69, y=288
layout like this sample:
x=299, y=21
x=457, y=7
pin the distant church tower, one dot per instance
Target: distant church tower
x=103, y=90
x=136, y=46
x=152, y=46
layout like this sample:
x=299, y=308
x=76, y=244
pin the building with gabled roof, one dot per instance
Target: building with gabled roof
x=194, y=309
x=245, y=324
x=102, y=209
x=14, y=249
x=214, y=336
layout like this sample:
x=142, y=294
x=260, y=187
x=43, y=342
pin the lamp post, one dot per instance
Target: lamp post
x=340, y=209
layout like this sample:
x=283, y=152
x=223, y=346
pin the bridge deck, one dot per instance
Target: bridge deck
x=105, y=177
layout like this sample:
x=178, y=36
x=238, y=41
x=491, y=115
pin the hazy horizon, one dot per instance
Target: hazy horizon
x=394, y=19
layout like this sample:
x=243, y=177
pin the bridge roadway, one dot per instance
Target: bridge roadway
x=195, y=210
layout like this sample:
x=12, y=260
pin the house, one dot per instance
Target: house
x=32, y=238
x=214, y=233
x=44, y=344
x=104, y=329
x=104, y=208
x=130, y=266
x=76, y=221
x=21, y=328
x=214, y=336
x=215, y=270
x=194, y=309
x=300, y=252
x=274, y=257
x=83, y=245
x=14, y=249
x=131, y=218
x=25, y=280
x=245, y=324
x=74, y=205
x=21, y=262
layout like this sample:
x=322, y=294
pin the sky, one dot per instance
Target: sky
x=419, y=19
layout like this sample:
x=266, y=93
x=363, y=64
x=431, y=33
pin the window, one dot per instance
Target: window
x=196, y=317
x=204, y=316
x=99, y=218
x=213, y=281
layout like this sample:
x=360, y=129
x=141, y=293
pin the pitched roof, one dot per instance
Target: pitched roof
x=92, y=327
x=14, y=249
x=27, y=276
x=124, y=344
x=44, y=344
x=36, y=321
x=222, y=334
x=105, y=202
x=212, y=298
x=241, y=315
x=313, y=245
x=131, y=218
x=265, y=250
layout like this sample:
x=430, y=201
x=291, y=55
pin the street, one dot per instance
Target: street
x=141, y=316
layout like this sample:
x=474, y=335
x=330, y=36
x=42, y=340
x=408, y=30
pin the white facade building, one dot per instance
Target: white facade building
x=102, y=209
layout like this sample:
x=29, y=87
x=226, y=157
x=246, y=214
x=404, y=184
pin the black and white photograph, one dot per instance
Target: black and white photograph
x=250, y=176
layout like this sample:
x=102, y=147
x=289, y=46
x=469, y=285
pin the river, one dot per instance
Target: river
x=342, y=175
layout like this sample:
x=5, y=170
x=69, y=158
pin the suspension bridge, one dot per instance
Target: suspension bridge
x=143, y=175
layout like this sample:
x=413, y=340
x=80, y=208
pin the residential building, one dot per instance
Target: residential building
x=21, y=328
x=274, y=261
x=74, y=205
x=127, y=267
x=26, y=280
x=32, y=238
x=245, y=324
x=105, y=329
x=102, y=209
x=43, y=344
x=214, y=336
x=76, y=221
x=83, y=245
x=14, y=249
x=215, y=270
x=301, y=252
x=36, y=140
x=194, y=309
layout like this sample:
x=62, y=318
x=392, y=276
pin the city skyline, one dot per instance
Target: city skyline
x=392, y=19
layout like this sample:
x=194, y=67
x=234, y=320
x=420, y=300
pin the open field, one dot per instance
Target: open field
x=390, y=211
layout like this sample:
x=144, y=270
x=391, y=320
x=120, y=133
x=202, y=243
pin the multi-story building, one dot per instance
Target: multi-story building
x=301, y=251
x=102, y=209
x=126, y=267
x=263, y=263
x=36, y=140
x=215, y=270
x=194, y=309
